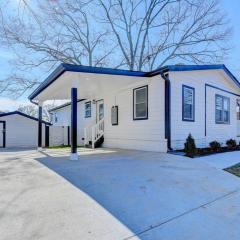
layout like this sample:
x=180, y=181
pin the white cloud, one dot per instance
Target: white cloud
x=8, y=104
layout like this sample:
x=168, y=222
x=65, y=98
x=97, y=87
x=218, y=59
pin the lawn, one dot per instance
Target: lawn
x=235, y=169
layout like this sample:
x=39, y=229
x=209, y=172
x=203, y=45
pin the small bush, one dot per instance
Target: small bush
x=190, y=146
x=231, y=143
x=215, y=146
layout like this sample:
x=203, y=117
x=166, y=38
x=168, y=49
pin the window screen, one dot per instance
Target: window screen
x=188, y=103
x=140, y=103
x=222, y=109
x=87, y=109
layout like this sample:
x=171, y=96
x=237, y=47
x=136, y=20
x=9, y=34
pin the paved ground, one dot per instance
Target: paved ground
x=221, y=161
x=115, y=195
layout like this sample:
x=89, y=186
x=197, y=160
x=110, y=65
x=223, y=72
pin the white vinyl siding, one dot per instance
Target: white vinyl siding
x=131, y=134
x=204, y=98
x=22, y=131
x=64, y=118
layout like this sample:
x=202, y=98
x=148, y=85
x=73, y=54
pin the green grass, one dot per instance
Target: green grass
x=62, y=147
x=235, y=169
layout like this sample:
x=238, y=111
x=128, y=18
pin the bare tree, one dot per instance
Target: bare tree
x=153, y=33
x=32, y=110
x=132, y=34
x=17, y=84
x=47, y=33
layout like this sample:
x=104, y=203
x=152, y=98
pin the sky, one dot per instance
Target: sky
x=231, y=7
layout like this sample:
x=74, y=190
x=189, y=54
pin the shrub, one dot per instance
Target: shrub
x=231, y=143
x=215, y=146
x=190, y=146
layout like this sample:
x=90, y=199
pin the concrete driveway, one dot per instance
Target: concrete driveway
x=223, y=160
x=115, y=194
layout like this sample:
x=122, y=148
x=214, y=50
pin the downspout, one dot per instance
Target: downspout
x=33, y=102
x=165, y=76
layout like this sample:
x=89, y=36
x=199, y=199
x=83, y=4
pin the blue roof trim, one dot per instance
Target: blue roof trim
x=98, y=70
x=181, y=68
x=64, y=67
x=22, y=114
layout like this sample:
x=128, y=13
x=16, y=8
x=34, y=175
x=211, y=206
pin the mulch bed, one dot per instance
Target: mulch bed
x=208, y=151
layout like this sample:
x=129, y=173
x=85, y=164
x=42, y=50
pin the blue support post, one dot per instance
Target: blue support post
x=74, y=155
x=39, y=127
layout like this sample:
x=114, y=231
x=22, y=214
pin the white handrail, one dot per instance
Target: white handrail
x=94, y=133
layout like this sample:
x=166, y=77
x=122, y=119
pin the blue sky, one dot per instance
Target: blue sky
x=231, y=7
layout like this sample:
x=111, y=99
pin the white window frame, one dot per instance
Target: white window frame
x=184, y=118
x=135, y=117
x=55, y=117
x=88, y=115
x=223, y=98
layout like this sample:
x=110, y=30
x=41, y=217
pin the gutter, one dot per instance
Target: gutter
x=33, y=102
x=164, y=74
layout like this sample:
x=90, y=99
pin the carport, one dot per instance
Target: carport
x=80, y=82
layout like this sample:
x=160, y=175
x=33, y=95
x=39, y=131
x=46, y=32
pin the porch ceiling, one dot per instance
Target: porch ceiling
x=89, y=85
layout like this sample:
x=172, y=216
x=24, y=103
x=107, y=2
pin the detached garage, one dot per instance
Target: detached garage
x=21, y=130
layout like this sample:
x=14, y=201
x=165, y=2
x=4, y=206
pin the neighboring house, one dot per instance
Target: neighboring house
x=87, y=117
x=153, y=111
x=20, y=130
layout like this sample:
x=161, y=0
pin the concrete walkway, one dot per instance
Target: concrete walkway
x=222, y=160
x=112, y=194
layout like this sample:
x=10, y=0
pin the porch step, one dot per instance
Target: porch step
x=97, y=144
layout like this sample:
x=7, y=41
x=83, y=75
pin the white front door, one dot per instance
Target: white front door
x=100, y=110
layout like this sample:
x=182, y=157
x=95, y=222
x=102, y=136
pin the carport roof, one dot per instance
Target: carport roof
x=109, y=71
x=22, y=114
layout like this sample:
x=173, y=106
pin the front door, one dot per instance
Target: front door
x=100, y=110
x=2, y=134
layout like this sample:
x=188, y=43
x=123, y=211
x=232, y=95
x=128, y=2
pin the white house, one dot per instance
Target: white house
x=153, y=111
x=21, y=130
x=87, y=117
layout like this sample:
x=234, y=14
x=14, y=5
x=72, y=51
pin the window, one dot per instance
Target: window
x=140, y=103
x=56, y=118
x=87, y=109
x=222, y=109
x=238, y=109
x=188, y=102
x=114, y=115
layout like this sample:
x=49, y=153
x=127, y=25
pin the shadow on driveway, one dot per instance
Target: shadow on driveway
x=143, y=190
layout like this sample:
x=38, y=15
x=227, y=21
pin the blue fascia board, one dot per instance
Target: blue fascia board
x=182, y=68
x=50, y=79
x=64, y=67
x=98, y=70
x=22, y=114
